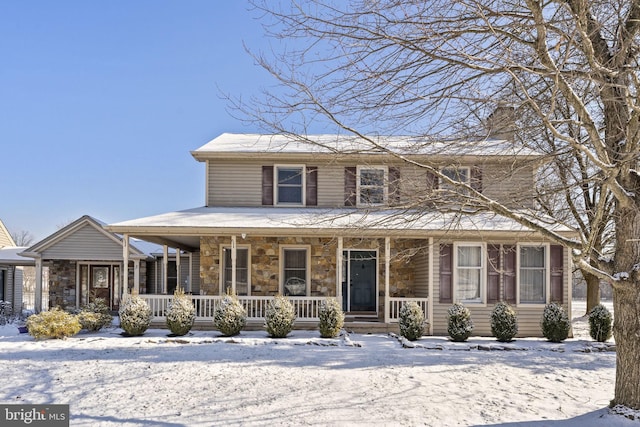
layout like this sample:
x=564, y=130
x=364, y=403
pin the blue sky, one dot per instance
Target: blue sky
x=101, y=103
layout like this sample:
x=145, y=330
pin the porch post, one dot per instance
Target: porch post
x=178, y=264
x=387, y=264
x=136, y=275
x=125, y=266
x=430, y=285
x=339, y=262
x=165, y=268
x=37, y=304
x=190, y=278
x=234, y=253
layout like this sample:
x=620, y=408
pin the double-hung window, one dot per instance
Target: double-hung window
x=295, y=271
x=372, y=185
x=458, y=174
x=243, y=285
x=290, y=185
x=469, y=273
x=532, y=277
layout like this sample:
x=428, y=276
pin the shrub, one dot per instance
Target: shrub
x=135, y=315
x=600, y=323
x=54, y=323
x=280, y=317
x=411, y=321
x=230, y=316
x=331, y=318
x=504, y=322
x=555, y=323
x=460, y=324
x=181, y=313
x=95, y=315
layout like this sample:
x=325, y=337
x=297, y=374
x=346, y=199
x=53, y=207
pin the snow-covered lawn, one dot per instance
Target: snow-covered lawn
x=203, y=379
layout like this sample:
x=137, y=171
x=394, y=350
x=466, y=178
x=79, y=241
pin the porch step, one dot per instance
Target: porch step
x=370, y=326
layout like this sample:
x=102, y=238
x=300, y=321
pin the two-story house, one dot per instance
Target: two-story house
x=338, y=218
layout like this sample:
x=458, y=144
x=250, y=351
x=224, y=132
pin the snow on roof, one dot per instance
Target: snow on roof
x=328, y=144
x=11, y=255
x=242, y=218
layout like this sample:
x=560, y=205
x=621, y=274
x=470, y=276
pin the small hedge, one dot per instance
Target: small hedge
x=181, y=314
x=135, y=315
x=280, y=317
x=411, y=321
x=54, y=323
x=504, y=322
x=600, y=320
x=230, y=317
x=95, y=315
x=331, y=318
x=460, y=324
x=555, y=323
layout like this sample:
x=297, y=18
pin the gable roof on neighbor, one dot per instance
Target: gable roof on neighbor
x=5, y=236
x=279, y=144
x=83, y=239
x=10, y=255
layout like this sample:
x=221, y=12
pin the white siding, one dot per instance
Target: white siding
x=86, y=243
x=234, y=184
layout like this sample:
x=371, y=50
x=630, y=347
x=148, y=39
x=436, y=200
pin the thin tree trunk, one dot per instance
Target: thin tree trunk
x=593, y=290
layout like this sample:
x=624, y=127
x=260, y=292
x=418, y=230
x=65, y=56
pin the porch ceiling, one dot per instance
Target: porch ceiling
x=184, y=228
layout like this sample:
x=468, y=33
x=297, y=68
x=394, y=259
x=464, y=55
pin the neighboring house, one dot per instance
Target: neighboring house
x=85, y=262
x=284, y=216
x=12, y=268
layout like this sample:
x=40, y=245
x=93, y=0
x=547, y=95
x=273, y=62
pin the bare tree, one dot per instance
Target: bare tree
x=22, y=237
x=428, y=68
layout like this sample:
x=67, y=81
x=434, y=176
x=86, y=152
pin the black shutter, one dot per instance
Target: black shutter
x=267, y=185
x=476, y=179
x=557, y=270
x=493, y=273
x=446, y=273
x=509, y=271
x=394, y=186
x=350, y=186
x=312, y=186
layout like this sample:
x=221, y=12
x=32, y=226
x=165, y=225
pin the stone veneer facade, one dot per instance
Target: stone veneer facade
x=265, y=263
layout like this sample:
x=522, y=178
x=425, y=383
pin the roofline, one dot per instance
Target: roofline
x=4, y=230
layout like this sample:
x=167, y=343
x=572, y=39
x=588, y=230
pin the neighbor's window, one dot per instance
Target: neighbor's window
x=533, y=275
x=372, y=189
x=242, y=271
x=290, y=185
x=294, y=271
x=460, y=174
x=469, y=273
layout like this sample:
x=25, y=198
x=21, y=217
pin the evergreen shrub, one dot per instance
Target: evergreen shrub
x=230, y=316
x=331, y=318
x=280, y=317
x=600, y=320
x=555, y=323
x=181, y=314
x=135, y=315
x=55, y=323
x=411, y=321
x=460, y=324
x=95, y=315
x=504, y=322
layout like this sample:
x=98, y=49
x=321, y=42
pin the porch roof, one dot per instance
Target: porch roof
x=10, y=255
x=184, y=228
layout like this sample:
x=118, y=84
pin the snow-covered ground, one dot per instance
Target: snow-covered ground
x=203, y=379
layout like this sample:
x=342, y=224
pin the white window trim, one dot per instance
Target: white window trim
x=222, y=266
x=547, y=275
x=308, y=266
x=456, y=168
x=385, y=184
x=276, y=186
x=483, y=273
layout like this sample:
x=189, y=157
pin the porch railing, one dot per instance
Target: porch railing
x=306, y=308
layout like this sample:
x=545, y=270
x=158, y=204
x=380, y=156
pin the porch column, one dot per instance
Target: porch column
x=136, y=275
x=178, y=263
x=234, y=253
x=125, y=266
x=339, y=262
x=387, y=264
x=165, y=268
x=430, y=286
x=37, y=304
x=190, y=278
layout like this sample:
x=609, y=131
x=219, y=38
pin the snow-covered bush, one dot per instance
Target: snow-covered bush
x=411, y=321
x=555, y=323
x=600, y=323
x=55, y=323
x=230, y=316
x=280, y=317
x=135, y=315
x=460, y=324
x=331, y=318
x=95, y=315
x=504, y=322
x=181, y=313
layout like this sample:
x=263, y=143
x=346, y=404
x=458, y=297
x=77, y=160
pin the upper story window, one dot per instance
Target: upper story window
x=372, y=185
x=290, y=182
x=458, y=174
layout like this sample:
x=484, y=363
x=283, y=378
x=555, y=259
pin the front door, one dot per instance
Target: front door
x=359, y=290
x=99, y=280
